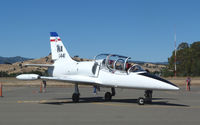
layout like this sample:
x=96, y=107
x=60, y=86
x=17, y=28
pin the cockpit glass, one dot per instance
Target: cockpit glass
x=101, y=56
x=136, y=68
x=114, y=62
x=119, y=64
x=111, y=61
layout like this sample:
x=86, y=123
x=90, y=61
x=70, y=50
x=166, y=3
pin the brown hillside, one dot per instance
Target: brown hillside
x=20, y=67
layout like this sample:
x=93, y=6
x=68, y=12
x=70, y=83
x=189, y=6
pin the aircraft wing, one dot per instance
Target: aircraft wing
x=40, y=65
x=74, y=79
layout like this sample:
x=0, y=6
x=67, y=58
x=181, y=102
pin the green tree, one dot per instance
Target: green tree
x=183, y=45
x=188, y=59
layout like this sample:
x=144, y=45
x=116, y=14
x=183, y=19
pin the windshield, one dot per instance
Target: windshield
x=135, y=68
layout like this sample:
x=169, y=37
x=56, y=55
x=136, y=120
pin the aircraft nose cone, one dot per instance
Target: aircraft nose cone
x=176, y=88
x=171, y=86
x=164, y=84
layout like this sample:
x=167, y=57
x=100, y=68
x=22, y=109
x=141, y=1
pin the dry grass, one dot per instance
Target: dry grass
x=182, y=80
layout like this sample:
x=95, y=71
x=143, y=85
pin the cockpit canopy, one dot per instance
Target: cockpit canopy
x=115, y=62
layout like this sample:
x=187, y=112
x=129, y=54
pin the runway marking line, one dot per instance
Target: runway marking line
x=43, y=101
x=111, y=104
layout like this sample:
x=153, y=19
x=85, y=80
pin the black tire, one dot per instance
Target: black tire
x=108, y=96
x=148, y=101
x=141, y=101
x=75, y=97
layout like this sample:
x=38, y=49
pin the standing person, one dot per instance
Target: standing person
x=188, y=83
x=44, y=85
x=95, y=90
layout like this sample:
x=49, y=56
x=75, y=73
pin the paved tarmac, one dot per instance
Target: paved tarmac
x=26, y=106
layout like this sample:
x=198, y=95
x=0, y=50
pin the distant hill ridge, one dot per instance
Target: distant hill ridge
x=10, y=60
x=16, y=65
x=158, y=63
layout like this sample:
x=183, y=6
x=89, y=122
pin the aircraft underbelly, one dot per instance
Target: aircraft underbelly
x=132, y=81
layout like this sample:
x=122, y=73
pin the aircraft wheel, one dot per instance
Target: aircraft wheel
x=149, y=101
x=75, y=97
x=108, y=96
x=141, y=101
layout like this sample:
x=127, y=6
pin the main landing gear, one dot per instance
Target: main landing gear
x=76, y=94
x=108, y=95
x=147, y=99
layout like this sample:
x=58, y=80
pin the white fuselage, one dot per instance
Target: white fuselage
x=119, y=79
x=74, y=68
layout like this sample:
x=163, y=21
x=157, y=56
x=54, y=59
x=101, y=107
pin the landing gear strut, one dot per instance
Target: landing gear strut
x=147, y=99
x=108, y=95
x=148, y=96
x=113, y=91
x=76, y=94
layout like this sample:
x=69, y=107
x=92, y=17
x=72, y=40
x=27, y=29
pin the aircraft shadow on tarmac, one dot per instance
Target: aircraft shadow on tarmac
x=155, y=101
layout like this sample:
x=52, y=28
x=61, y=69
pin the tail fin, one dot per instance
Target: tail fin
x=58, y=50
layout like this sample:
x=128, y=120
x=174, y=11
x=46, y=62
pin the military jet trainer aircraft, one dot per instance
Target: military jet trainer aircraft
x=106, y=70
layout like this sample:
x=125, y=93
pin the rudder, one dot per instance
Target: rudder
x=58, y=50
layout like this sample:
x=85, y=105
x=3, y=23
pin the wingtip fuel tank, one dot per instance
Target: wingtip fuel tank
x=28, y=77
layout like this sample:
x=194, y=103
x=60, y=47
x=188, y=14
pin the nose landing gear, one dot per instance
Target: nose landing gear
x=141, y=101
x=148, y=96
x=147, y=99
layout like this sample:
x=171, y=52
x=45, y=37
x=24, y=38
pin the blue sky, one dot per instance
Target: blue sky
x=142, y=29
